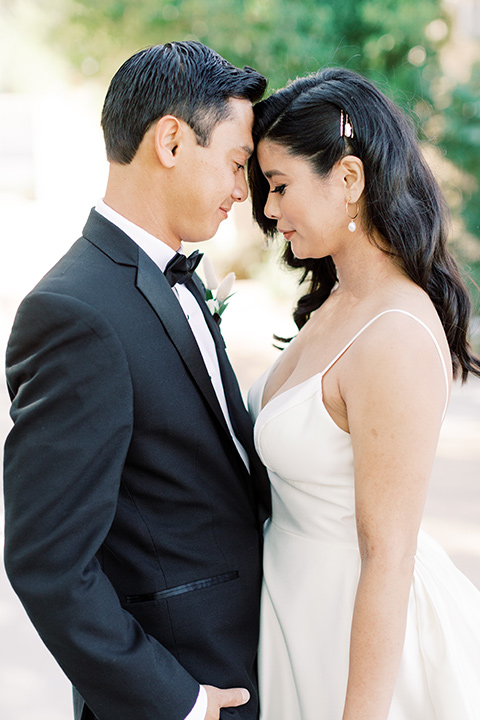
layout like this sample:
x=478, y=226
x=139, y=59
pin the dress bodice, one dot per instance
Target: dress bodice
x=310, y=458
x=310, y=462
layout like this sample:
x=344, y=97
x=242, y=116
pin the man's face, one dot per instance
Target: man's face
x=208, y=180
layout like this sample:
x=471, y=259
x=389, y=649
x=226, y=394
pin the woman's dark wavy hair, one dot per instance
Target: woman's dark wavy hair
x=402, y=201
x=186, y=79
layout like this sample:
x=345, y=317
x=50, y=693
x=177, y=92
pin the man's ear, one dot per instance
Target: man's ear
x=353, y=177
x=168, y=135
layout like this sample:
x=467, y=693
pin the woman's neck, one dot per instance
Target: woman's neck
x=363, y=267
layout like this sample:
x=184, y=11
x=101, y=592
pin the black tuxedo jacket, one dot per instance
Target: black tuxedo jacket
x=133, y=529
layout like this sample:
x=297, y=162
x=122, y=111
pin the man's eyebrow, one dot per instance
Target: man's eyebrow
x=247, y=149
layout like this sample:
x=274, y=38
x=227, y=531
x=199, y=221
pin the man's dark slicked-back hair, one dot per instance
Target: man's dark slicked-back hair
x=184, y=79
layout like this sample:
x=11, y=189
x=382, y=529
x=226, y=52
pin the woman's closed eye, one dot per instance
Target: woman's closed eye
x=279, y=189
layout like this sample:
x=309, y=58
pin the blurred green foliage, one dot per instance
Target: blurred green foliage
x=396, y=43
x=281, y=38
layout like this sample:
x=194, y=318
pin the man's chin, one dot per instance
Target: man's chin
x=204, y=236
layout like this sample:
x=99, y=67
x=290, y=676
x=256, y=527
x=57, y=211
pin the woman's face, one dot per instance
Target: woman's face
x=309, y=209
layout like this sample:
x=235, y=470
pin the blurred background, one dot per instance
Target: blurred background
x=56, y=60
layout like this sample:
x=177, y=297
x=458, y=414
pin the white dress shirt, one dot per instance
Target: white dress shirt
x=161, y=254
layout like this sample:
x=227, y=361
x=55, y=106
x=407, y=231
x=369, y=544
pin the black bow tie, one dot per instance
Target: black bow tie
x=181, y=268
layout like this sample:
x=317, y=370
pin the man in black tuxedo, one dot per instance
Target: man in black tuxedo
x=134, y=497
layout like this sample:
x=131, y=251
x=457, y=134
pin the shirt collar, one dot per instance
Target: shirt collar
x=156, y=249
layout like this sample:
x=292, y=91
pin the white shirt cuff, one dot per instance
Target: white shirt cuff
x=199, y=710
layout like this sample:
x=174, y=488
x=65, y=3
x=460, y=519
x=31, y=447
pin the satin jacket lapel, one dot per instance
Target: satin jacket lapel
x=152, y=284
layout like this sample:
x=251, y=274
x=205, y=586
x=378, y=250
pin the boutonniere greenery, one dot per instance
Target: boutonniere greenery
x=217, y=294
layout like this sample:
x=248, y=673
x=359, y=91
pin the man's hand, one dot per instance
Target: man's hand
x=217, y=698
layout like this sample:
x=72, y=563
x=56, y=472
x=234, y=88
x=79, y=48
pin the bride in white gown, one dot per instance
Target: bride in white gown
x=364, y=617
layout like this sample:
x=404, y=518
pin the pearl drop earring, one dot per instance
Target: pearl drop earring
x=352, y=225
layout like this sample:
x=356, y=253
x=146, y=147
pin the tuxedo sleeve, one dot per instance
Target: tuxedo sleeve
x=72, y=407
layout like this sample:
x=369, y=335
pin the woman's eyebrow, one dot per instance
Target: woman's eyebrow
x=271, y=173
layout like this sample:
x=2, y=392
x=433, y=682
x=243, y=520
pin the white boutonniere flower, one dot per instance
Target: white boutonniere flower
x=217, y=294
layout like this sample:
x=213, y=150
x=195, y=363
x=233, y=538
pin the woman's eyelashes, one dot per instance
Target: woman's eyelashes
x=279, y=189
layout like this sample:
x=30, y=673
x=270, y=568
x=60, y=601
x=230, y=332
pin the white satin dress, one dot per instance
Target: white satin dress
x=312, y=567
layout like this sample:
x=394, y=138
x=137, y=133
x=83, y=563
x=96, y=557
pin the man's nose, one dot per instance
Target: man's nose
x=240, y=192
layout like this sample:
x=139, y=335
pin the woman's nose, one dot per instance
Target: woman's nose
x=271, y=209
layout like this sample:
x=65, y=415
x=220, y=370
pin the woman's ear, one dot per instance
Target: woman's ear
x=168, y=135
x=353, y=177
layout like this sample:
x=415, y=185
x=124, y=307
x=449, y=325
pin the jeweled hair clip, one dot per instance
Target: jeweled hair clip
x=346, y=127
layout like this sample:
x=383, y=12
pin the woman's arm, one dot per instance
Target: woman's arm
x=395, y=394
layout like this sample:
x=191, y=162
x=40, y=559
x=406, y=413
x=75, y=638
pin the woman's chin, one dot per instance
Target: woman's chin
x=305, y=253
x=299, y=254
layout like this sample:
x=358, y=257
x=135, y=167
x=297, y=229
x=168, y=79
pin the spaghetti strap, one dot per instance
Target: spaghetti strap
x=414, y=317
